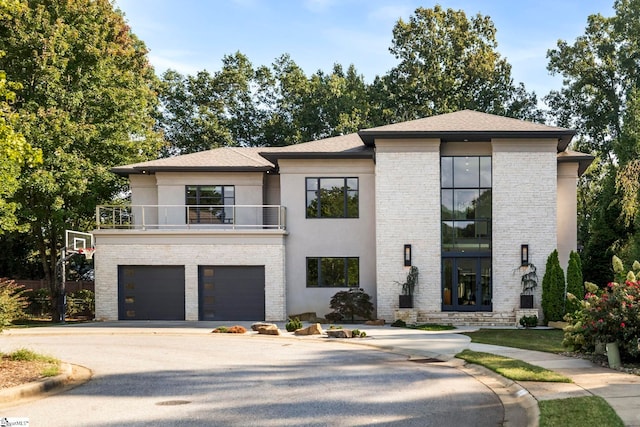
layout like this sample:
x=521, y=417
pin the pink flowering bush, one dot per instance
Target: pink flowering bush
x=611, y=314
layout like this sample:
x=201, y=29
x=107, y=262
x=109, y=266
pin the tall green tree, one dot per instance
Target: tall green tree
x=553, y=289
x=599, y=98
x=86, y=102
x=448, y=62
x=15, y=155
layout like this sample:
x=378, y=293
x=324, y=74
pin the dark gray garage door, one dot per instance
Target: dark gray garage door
x=231, y=292
x=150, y=292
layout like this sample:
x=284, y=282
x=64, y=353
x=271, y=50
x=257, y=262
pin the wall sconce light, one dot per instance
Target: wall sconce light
x=407, y=255
x=524, y=255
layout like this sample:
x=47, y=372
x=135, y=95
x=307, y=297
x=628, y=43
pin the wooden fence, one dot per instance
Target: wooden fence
x=69, y=286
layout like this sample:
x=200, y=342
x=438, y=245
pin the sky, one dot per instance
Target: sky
x=193, y=35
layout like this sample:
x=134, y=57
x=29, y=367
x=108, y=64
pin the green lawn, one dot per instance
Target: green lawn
x=432, y=327
x=514, y=369
x=548, y=340
x=578, y=412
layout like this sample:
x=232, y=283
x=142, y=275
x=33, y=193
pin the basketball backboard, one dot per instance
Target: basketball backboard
x=77, y=241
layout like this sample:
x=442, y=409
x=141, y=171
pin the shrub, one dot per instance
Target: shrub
x=293, y=324
x=220, y=330
x=334, y=317
x=39, y=302
x=351, y=304
x=575, y=283
x=82, y=301
x=529, y=321
x=12, y=302
x=553, y=289
x=606, y=315
x=399, y=324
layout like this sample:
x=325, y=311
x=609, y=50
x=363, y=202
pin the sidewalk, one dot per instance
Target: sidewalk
x=620, y=390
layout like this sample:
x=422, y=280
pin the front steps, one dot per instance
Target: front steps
x=464, y=318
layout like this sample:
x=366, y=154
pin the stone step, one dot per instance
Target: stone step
x=468, y=318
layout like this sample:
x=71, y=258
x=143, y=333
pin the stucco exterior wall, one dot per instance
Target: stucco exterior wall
x=144, y=192
x=567, y=211
x=524, y=212
x=407, y=192
x=190, y=249
x=171, y=192
x=326, y=237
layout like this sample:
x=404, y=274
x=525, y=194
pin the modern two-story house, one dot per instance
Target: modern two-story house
x=261, y=233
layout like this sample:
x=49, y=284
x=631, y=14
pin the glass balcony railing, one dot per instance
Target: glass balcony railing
x=180, y=217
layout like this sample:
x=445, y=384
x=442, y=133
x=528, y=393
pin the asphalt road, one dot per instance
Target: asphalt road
x=173, y=379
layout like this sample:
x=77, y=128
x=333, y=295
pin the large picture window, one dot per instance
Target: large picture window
x=466, y=204
x=212, y=204
x=333, y=272
x=332, y=197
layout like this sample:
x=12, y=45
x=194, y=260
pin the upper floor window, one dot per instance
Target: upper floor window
x=212, y=204
x=466, y=203
x=332, y=197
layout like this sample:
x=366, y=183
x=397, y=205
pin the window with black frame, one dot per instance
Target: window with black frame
x=210, y=204
x=466, y=232
x=333, y=272
x=332, y=197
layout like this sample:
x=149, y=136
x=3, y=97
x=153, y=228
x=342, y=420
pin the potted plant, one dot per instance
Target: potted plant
x=409, y=285
x=529, y=281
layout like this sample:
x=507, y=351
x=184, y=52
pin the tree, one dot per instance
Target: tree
x=86, y=102
x=553, y=288
x=448, y=62
x=15, y=155
x=599, y=98
x=575, y=282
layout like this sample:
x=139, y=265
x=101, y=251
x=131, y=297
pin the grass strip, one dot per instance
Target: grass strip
x=514, y=369
x=50, y=365
x=578, y=412
x=432, y=327
x=547, y=340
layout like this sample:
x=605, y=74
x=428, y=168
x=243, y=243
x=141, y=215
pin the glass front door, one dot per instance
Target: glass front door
x=466, y=284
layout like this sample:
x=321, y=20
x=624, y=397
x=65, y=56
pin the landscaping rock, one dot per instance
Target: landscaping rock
x=314, y=329
x=378, y=322
x=339, y=333
x=258, y=325
x=305, y=317
x=268, y=330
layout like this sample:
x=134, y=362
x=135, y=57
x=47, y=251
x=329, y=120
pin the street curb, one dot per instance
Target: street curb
x=71, y=375
x=520, y=407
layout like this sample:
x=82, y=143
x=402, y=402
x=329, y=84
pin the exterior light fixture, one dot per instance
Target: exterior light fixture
x=407, y=255
x=524, y=255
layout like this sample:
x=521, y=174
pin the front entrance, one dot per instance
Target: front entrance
x=466, y=284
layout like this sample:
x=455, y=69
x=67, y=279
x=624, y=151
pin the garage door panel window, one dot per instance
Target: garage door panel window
x=205, y=200
x=333, y=272
x=332, y=197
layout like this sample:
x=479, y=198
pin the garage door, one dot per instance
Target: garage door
x=231, y=292
x=150, y=292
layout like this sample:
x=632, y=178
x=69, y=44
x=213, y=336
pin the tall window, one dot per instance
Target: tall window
x=332, y=197
x=466, y=204
x=333, y=272
x=212, y=204
x=466, y=233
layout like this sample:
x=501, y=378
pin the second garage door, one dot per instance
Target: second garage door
x=231, y=292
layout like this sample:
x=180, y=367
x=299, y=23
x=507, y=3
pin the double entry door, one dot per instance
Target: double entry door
x=466, y=284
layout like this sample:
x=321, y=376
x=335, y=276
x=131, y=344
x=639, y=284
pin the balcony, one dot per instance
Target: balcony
x=191, y=217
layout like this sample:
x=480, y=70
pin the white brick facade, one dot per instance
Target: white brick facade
x=116, y=249
x=407, y=212
x=524, y=212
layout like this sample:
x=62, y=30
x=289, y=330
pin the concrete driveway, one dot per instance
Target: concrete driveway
x=183, y=376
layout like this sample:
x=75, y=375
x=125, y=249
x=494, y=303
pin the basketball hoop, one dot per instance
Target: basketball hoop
x=87, y=252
